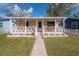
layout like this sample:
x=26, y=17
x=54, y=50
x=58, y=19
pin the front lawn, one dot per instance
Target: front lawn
x=67, y=46
x=15, y=46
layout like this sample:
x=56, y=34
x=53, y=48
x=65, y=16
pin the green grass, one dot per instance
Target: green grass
x=15, y=46
x=67, y=46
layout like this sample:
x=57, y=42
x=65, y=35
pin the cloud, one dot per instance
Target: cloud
x=16, y=10
x=28, y=12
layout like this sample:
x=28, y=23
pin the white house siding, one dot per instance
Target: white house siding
x=6, y=26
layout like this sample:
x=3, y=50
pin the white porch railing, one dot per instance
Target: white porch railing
x=31, y=30
x=18, y=29
x=72, y=30
x=23, y=30
x=50, y=30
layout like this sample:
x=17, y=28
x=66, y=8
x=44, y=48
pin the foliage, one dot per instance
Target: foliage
x=61, y=9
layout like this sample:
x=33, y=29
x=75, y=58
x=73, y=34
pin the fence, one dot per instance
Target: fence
x=72, y=30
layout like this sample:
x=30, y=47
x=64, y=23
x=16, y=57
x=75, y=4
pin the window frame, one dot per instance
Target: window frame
x=50, y=22
x=1, y=24
x=74, y=25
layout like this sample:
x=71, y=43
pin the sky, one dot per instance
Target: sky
x=39, y=9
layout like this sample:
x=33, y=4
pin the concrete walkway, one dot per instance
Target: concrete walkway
x=39, y=48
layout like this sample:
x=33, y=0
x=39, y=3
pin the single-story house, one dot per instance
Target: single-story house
x=32, y=25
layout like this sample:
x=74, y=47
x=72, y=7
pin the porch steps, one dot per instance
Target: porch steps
x=39, y=35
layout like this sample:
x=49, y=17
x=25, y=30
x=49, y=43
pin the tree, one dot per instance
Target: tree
x=75, y=15
x=61, y=9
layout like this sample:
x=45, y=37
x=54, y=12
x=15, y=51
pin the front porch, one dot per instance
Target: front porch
x=31, y=26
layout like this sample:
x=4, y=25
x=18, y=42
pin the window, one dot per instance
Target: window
x=1, y=24
x=50, y=23
x=60, y=24
x=13, y=25
x=74, y=25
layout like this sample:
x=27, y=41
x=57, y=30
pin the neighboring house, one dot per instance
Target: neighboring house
x=4, y=25
x=72, y=23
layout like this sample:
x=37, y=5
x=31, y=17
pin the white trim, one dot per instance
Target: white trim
x=38, y=17
x=75, y=22
x=55, y=26
x=36, y=30
x=53, y=33
x=20, y=35
x=43, y=28
x=10, y=26
x=56, y=36
x=64, y=26
x=25, y=27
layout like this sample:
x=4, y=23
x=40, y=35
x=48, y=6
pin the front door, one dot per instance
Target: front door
x=39, y=25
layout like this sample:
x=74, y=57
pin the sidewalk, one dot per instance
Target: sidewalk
x=39, y=48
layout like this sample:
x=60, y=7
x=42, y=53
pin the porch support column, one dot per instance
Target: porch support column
x=25, y=26
x=64, y=26
x=55, y=26
x=43, y=28
x=10, y=26
x=36, y=29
